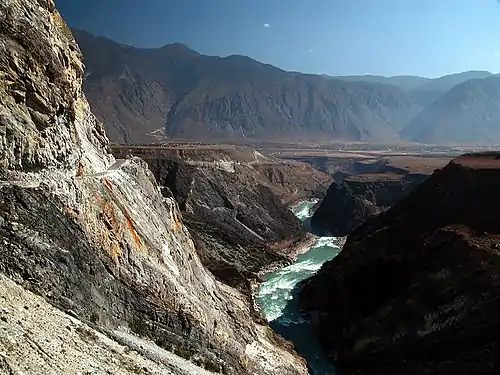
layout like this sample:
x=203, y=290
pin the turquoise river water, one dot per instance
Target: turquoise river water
x=277, y=298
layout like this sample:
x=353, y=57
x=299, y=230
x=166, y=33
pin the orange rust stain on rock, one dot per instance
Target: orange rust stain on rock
x=80, y=171
x=131, y=227
x=98, y=199
x=108, y=216
x=115, y=233
x=108, y=184
x=176, y=221
x=71, y=212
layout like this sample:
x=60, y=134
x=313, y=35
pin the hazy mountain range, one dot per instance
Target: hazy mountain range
x=423, y=90
x=468, y=112
x=177, y=93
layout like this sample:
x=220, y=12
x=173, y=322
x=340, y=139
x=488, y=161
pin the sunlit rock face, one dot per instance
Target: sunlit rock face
x=93, y=235
x=235, y=203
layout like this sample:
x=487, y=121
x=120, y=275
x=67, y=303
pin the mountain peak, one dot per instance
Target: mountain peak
x=177, y=47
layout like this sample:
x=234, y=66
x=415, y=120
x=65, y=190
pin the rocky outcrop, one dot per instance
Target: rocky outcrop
x=93, y=235
x=415, y=290
x=368, y=187
x=235, y=204
x=351, y=202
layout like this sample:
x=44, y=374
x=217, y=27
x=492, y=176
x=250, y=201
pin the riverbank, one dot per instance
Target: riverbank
x=303, y=210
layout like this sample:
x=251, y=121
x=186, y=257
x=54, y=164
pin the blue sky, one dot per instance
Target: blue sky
x=335, y=37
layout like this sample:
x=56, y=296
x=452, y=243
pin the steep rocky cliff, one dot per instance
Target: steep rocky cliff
x=235, y=203
x=351, y=202
x=415, y=290
x=373, y=187
x=93, y=235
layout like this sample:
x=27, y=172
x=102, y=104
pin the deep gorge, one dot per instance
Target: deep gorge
x=143, y=260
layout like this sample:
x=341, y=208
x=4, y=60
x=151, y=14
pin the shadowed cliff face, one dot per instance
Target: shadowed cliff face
x=235, y=204
x=415, y=290
x=358, y=198
x=93, y=235
x=368, y=187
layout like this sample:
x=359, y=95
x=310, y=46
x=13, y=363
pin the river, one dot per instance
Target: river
x=276, y=298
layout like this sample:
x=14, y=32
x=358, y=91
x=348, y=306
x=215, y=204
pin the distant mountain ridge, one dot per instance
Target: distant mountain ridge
x=410, y=82
x=423, y=90
x=407, y=82
x=469, y=112
x=173, y=92
x=136, y=92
